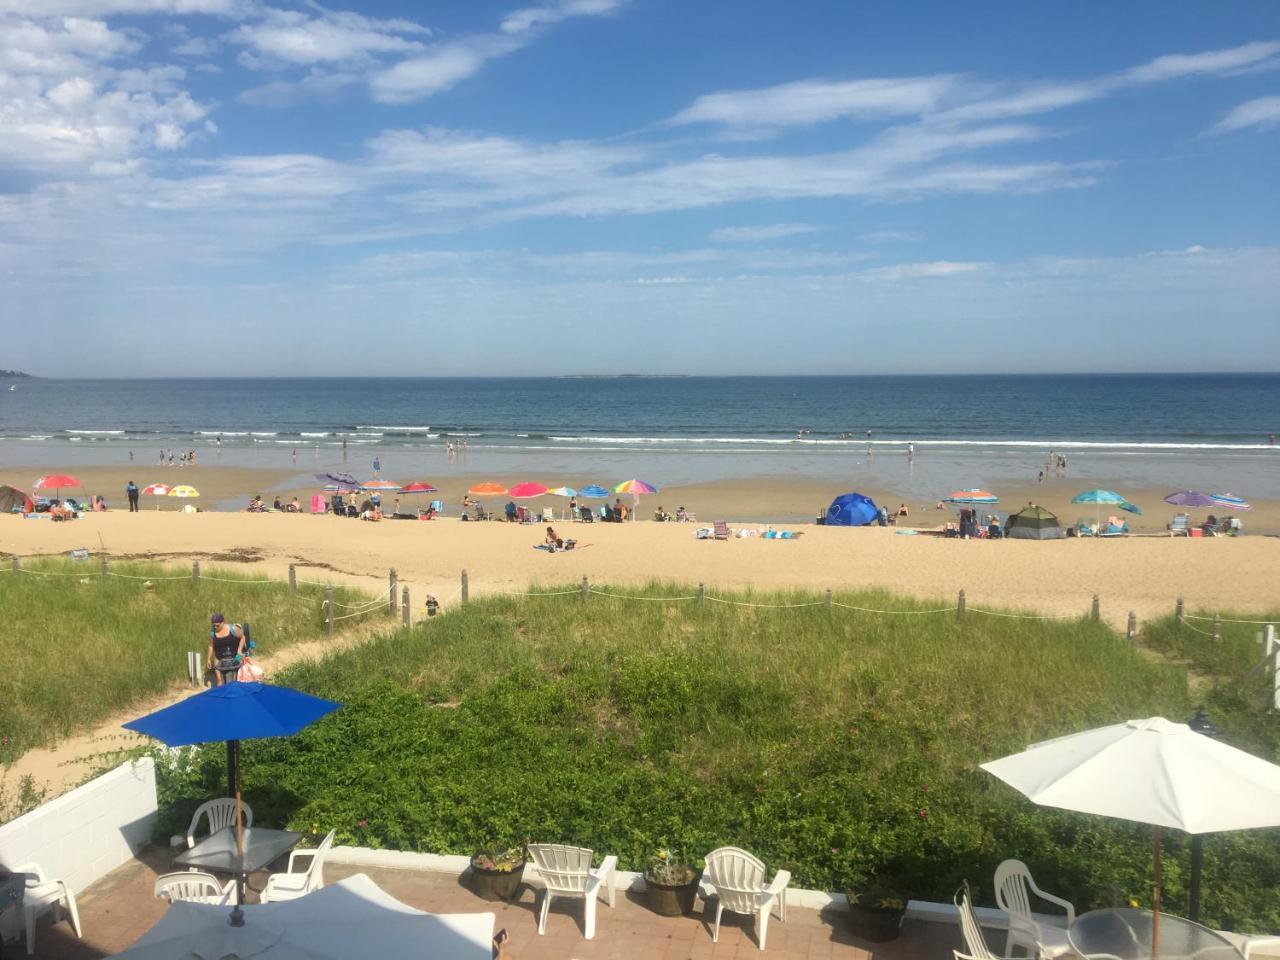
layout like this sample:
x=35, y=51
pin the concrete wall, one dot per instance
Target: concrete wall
x=85, y=834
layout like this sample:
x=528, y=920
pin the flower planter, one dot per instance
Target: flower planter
x=672, y=900
x=875, y=924
x=496, y=884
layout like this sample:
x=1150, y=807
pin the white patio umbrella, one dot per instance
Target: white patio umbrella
x=1149, y=771
x=351, y=918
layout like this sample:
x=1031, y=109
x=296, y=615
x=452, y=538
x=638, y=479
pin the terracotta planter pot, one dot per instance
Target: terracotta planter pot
x=875, y=924
x=668, y=900
x=496, y=884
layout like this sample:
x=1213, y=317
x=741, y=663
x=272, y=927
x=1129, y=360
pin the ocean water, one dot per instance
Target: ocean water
x=1210, y=430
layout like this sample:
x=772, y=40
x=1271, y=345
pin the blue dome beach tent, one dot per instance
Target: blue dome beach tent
x=851, y=510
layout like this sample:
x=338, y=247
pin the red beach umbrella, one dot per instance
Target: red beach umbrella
x=527, y=490
x=420, y=486
x=156, y=489
x=57, y=481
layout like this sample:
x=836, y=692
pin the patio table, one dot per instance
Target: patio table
x=1126, y=934
x=217, y=852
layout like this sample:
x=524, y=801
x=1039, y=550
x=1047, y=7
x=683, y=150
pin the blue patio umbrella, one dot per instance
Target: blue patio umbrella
x=851, y=510
x=234, y=712
x=594, y=492
x=1099, y=497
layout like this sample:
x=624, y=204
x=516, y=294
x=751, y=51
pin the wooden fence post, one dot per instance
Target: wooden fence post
x=404, y=606
x=1177, y=612
x=328, y=610
x=1217, y=628
x=106, y=568
x=828, y=598
x=17, y=563
x=391, y=596
x=465, y=590
x=293, y=578
x=1096, y=613
x=586, y=587
x=1269, y=641
x=702, y=594
x=195, y=571
x=960, y=606
x=1132, y=629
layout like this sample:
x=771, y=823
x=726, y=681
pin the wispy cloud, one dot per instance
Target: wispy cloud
x=290, y=37
x=1262, y=113
x=772, y=231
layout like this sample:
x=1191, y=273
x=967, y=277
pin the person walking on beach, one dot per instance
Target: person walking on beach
x=131, y=456
x=295, y=455
x=911, y=452
x=344, y=449
x=1040, y=480
x=226, y=649
x=131, y=491
x=377, y=467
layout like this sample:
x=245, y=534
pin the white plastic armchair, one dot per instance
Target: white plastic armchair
x=567, y=872
x=195, y=887
x=737, y=878
x=1014, y=887
x=974, y=941
x=293, y=883
x=221, y=813
x=43, y=895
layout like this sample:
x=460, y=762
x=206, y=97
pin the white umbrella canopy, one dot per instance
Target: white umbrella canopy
x=347, y=920
x=1151, y=771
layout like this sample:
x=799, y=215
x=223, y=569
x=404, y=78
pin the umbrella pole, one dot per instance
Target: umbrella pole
x=1155, y=898
x=233, y=783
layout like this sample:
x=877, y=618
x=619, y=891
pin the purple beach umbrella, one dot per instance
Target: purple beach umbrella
x=1189, y=498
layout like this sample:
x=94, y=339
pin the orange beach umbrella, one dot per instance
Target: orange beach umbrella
x=488, y=489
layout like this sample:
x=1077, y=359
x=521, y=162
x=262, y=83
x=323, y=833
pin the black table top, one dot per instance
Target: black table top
x=217, y=852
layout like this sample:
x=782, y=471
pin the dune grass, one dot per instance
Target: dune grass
x=841, y=745
x=76, y=648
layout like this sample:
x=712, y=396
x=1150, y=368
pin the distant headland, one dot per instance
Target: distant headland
x=15, y=375
x=623, y=376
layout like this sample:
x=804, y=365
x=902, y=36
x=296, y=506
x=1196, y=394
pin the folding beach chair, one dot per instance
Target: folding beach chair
x=722, y=531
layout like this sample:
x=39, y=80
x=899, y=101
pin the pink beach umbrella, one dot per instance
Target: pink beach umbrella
x=526, y=491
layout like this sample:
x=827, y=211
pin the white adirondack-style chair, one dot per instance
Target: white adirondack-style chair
x=221, y=813
x=43, y=895
x=196, y=887
x=295, y=883
x=974, y=941
x=1014, y=887
x=738, y=880
x=567, y=872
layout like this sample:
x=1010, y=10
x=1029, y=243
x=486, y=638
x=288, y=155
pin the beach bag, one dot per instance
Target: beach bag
x=704, y=533
x=250, y=672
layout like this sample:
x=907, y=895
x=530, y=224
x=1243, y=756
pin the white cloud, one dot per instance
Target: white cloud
x=807, y=102
x=1262, y=113
x=316, y=85
x=291, y=37
x=773, y=231
x=916, y=271
x=106, y=8
x=1178, y=65
x=877, y=237
x=527, y=19
x=66, y=106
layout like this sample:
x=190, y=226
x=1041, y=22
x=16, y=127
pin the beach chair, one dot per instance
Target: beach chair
x=293, y=884
x=567, y=872
x=437, y=508
x=585, y=515
x=1180, y=525
x=606, y=514
x=974, y=941
x=195, y=887
x=41, y=895
x=221, y=813
x=1115, y=527
x=1014, y=888
x=722, y=531
x=548, y=515
x=737, y=878
x=1085, y=528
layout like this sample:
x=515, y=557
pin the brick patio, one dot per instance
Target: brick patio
x=117, y=910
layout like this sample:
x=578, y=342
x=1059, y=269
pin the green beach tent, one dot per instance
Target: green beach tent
x=1033, y=523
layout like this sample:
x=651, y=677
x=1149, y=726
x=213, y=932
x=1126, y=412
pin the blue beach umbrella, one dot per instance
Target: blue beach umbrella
x=1099, y=497
x=594, y=492
x=234, y=712
x=1230, y=500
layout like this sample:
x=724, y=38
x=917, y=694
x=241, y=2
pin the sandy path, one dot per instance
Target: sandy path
x=59, y=768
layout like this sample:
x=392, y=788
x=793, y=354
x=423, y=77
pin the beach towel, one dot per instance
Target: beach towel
x=317, y=503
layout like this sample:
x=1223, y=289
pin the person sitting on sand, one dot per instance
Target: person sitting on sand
x=226, y=649
x=902, y=509
x=553, y=542
x=294, y=506
x=372, y=513
x=278, y=504
x=468, y=501
x=661, y=515
x=256, y=505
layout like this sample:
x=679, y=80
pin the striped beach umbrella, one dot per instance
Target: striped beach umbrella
x=593, y=491
x=1230, y=501
x=156, y=489
x=635, y=487
x=562, y=492
x=972, y=495
x=1190, y=498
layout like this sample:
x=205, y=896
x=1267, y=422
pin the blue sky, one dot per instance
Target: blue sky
x=289, y=188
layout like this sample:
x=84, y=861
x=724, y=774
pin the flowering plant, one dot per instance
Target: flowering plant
x=670, y=868
x=499, y=859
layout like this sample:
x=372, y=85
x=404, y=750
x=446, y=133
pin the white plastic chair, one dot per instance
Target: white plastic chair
x=42, y=896
x=567, y=872
x=293, y=884
x=196, y=887
x=1248, y=944
x=738, y=880
x=548, y=514
x=1014, y=887
x=969, y=928
x=221, y=814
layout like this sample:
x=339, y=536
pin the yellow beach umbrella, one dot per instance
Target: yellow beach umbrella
x=183, y=490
